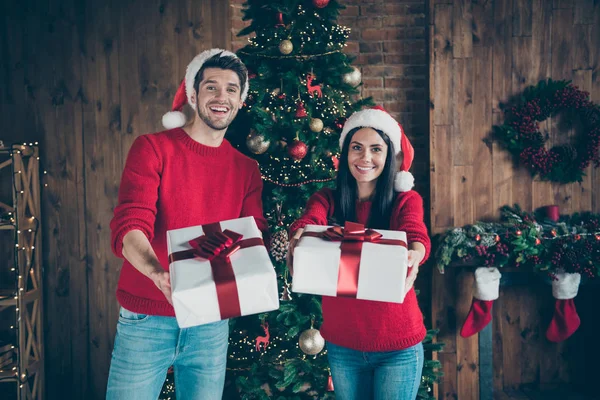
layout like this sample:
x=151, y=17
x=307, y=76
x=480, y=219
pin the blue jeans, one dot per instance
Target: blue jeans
x=147, y=345
x=387, y=375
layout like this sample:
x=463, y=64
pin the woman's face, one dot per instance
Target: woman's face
x=366, y=155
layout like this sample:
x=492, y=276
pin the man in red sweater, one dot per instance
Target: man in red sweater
x=185, y=176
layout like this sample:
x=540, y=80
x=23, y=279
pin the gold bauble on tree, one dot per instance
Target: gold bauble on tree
x=286, y=47
x=352, y=78
x=257, y=143
x=316, y=125
x=311, y=342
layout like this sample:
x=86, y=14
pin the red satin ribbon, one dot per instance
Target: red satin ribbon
x=352, y=236
x=217, y=247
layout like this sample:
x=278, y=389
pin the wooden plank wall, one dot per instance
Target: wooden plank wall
x=84, y=78
x=481, y=53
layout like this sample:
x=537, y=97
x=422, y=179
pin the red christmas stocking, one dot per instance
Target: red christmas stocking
x=565, y=321
x=486, y=290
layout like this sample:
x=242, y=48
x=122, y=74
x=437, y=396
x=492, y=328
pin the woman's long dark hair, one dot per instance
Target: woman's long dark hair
x=346, y=193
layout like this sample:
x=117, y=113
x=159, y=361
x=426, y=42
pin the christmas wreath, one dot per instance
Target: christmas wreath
x=520, y=134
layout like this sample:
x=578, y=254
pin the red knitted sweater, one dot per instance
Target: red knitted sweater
x=170, y=181
x=371, y=325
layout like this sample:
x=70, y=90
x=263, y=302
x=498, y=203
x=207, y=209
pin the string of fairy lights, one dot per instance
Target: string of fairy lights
x=247, y=345
x=285, y=172
x=24, y=250
x=336, y=35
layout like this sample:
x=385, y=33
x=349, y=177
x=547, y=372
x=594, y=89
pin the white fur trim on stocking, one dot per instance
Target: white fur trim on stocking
x=173, y=119
x=487, y=283
x=404, y=181
x=566, y=286
x=376, y=119
x=196, y=65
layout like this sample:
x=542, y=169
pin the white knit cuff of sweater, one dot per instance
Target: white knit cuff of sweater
x=566, y=286
x=487, y=283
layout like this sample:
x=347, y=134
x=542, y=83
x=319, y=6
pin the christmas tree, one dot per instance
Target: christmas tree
x=302, y=89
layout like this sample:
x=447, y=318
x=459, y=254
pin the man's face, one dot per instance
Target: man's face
x=219, y=97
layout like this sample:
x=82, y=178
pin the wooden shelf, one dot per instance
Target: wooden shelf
x=6, y=226
x=24, y=225
x=8, y=374
x=7, y=299
x=25, y=203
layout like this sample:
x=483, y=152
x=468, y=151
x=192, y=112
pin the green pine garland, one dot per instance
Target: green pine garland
x=521, y=136
x=528, y=241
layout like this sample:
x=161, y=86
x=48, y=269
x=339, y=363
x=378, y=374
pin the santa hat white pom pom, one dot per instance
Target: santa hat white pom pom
x=173, y=119
x=404, y=181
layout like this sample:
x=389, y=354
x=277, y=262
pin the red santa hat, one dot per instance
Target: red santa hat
x=378, y=118
x=175, y=118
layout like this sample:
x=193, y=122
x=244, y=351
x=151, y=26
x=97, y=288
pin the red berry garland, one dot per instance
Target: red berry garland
x=521, y=134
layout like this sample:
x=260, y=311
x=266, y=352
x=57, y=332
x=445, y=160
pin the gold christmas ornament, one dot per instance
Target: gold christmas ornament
x=257, y=143
x=352, y=78
x=311, y=342
x=316, y=125
x=286, y=47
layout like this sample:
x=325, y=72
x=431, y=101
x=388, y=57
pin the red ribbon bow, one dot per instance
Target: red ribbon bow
x=352, y=236
x=351, y=232
x=216, y=244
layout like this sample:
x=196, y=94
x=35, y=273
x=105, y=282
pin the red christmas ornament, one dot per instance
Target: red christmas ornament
x=297, y=150
x=477, y=237
x=251, y=75
x=577, y=237
x=336, y=162
x=281, y=96
x=320, y=3
x=339, y=123
x=518, y=233
x=597, y=236
x=329, y=384
x=300, y=110
x=279, y=23
x=553, y=232
x=537, y=241
x=312, y=89
x=497, y=238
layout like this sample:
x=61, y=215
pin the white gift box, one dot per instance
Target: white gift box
x=194, y=291
x=382, y=273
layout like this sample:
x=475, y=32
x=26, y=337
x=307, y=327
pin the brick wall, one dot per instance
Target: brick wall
x=389, y=40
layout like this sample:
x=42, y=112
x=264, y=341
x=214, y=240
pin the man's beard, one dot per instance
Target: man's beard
x=219, y=125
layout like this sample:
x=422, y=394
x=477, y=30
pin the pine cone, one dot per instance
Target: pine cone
x=279, y=245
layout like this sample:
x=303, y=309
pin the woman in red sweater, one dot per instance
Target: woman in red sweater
x=374, y=348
